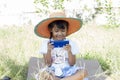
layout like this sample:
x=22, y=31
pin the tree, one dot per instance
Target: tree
x=86, y=10
x=107, y=7
x=44, y=6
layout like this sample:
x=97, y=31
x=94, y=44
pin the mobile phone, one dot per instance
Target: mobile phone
x=59, y=43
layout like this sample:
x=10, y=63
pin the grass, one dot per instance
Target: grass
x=18, y=44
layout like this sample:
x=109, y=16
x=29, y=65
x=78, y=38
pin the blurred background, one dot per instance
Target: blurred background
x=97, y=39
x=17, y=12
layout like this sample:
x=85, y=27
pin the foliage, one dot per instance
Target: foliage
x=17, y=45
x=83, y=11
x=45, y=6
x=112, y=16
x=103, y=62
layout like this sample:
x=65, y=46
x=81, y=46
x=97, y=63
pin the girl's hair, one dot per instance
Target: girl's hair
x=61, y=24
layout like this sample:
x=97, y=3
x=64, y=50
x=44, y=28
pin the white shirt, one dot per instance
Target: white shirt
x=59, y=55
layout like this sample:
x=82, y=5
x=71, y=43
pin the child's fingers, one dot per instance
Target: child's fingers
x=67, y=47
x=50, y=46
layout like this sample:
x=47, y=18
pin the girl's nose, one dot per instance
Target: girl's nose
x=59, y=33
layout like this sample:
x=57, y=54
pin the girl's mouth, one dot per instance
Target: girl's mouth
x=60, y=37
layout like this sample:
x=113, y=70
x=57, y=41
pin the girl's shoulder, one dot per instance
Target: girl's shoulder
x=70, y=41
x=45, y=41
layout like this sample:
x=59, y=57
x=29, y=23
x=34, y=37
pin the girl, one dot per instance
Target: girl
x=60, y=60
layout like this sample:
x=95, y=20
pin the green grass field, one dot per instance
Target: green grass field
x=18, y=44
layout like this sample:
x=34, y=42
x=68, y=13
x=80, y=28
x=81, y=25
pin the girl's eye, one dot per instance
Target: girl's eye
x=63, y=30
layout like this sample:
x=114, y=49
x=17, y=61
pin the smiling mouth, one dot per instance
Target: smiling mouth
x=60, y=38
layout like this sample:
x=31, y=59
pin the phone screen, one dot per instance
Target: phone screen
x=59, y=43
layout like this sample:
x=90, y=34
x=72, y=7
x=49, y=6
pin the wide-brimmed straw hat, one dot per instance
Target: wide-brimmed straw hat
x=41, y=29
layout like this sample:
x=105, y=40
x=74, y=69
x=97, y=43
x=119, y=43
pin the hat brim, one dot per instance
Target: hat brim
x=41, y=29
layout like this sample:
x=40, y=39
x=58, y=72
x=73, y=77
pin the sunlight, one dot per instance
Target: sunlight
x=16, y=6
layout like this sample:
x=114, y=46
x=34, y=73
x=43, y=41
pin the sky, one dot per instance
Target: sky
x=16, y=6
x=11, y=11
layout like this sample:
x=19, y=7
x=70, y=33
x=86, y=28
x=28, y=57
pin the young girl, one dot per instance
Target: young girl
x=60, y=60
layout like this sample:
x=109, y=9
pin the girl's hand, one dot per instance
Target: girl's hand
x=71, y=57
x=50, y=46
x=67, y=47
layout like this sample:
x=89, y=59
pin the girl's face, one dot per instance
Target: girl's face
x=58, y=34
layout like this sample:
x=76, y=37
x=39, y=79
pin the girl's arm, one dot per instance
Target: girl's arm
x=71, y=57
x=47, y=56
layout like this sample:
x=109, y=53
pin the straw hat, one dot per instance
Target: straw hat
x=41, y=29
